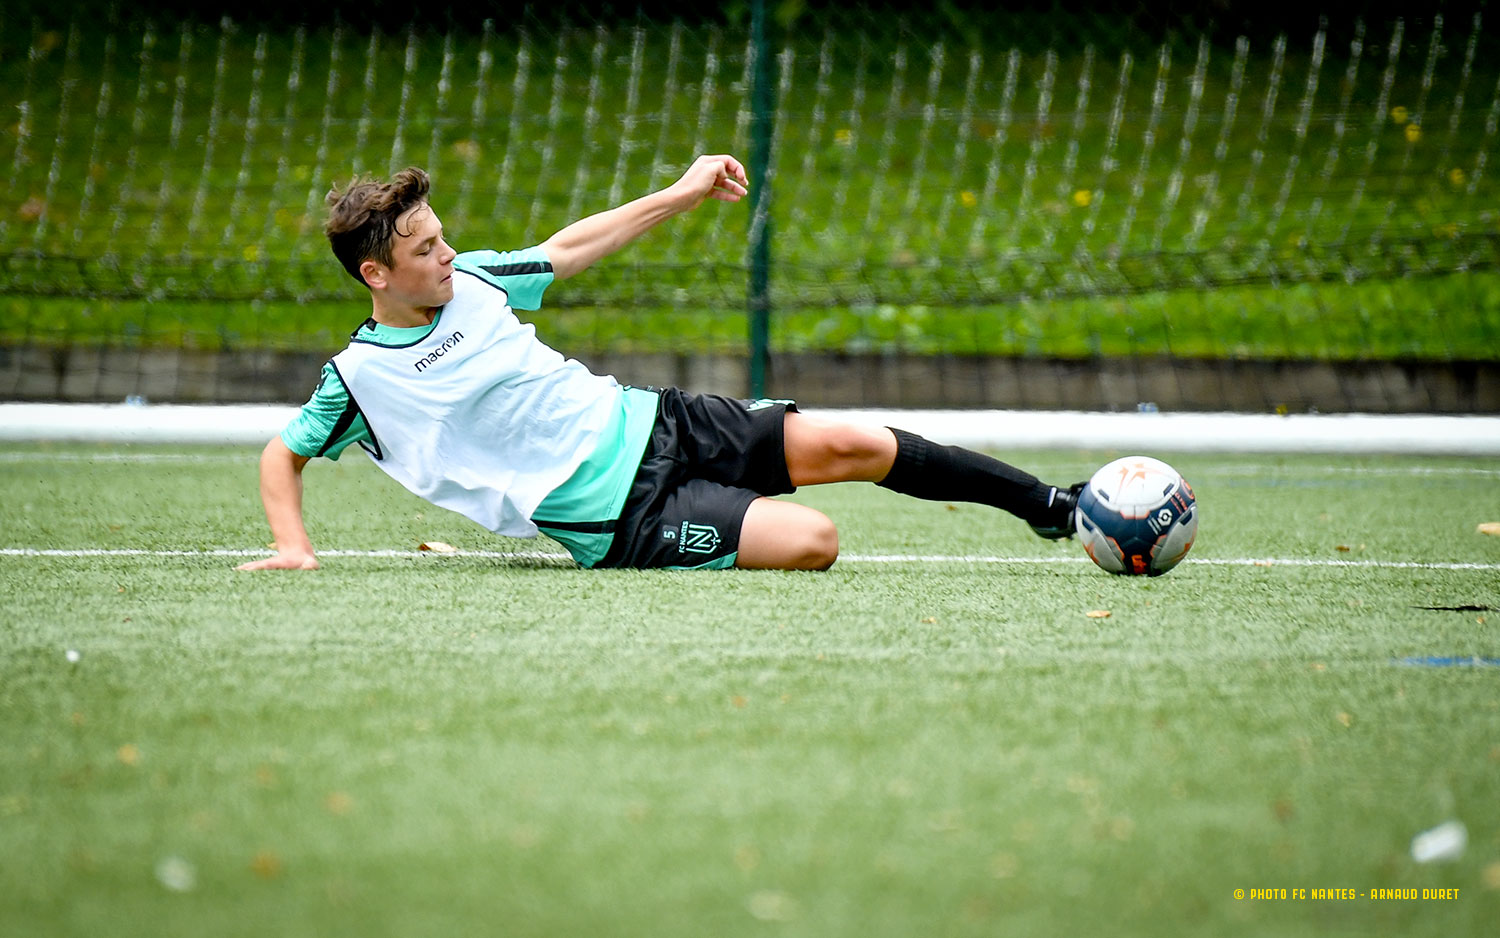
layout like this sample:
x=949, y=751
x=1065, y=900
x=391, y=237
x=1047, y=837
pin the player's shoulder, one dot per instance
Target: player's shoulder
x=523, y=275
x=331, y=392
x=501, y=264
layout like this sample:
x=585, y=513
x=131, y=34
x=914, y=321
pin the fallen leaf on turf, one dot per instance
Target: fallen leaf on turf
x=266, y=864
x=1490, y=527
x=1342, y=548
x=1098, y=613
x=930, y=620
x=339, y=803
x=1345, y=718
x=1491, y=876
x=128, y=754
x=438, y=547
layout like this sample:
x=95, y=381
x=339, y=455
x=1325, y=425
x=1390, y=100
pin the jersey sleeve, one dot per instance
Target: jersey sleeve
x=328, y=422
x=523, y=275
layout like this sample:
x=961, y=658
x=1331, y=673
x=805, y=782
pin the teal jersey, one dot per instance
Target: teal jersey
x=588, y=502
x=580, y=513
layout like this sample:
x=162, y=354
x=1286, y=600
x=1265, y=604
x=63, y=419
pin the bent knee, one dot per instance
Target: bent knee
x=785, y=536
x=819, y=546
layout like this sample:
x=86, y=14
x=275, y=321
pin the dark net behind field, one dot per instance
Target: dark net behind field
x=955, y=191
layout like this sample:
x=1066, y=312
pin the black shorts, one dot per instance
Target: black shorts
x=709, y=457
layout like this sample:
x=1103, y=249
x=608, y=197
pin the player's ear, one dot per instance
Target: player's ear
x=374, y=273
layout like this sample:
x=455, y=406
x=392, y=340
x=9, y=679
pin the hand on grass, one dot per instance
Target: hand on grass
x=283, y=560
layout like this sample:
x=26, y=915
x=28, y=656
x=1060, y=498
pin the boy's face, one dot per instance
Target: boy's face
x=421, y=271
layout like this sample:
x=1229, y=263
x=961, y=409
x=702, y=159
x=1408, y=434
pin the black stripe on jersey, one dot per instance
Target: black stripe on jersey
x=581, y=527
x=373, y=447
x=341, y=425
x=519, y=269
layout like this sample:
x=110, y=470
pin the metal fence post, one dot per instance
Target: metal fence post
x=761, y=124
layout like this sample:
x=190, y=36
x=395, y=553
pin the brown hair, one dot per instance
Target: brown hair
x=362, y=217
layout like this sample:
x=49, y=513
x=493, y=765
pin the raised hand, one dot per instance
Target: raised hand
x=719, y=177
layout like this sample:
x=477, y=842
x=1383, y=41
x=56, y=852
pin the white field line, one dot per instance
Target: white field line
x=974, y=559
x=43, y=456
x=1293, y=471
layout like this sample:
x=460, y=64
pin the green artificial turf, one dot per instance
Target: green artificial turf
x=457, y=745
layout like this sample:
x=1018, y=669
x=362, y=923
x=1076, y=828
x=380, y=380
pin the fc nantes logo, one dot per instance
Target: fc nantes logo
x=697, y=538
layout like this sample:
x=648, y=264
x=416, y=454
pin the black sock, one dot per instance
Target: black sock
x=924, y=469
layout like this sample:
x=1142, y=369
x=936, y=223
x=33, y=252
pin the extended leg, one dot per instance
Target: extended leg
x=924, y=469
x=819, y=451
x=824, y=451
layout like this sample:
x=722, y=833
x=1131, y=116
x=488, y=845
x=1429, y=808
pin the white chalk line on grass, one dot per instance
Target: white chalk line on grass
x=42, y=456
x=1252, y=470
x=973, y=559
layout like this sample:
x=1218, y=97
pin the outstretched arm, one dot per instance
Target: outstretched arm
x=580, y=244
x=281, y=493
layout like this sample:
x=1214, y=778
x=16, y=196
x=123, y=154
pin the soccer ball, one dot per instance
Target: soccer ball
x=1137, y=516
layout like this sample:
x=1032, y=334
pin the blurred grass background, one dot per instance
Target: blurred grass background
x=1201, y=180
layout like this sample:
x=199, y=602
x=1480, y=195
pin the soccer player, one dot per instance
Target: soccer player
x=456, y=399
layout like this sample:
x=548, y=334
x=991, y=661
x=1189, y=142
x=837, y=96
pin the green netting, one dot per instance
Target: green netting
x=1101, y=181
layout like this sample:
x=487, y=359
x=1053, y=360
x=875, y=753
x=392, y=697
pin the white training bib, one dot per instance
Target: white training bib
x=478, y=417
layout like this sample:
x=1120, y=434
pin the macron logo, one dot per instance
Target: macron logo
x=431, y=358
